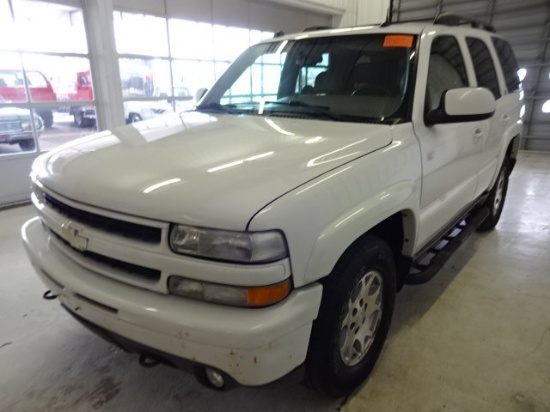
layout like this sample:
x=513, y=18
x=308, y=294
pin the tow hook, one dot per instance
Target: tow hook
x=49, y=295
x=148, y=361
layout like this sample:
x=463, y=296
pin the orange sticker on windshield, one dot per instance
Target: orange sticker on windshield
x=394, y=40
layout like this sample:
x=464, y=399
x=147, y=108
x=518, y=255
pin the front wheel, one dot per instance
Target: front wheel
x=27, y=144
x=134, y=118
x=354, y=319
x=495, y=200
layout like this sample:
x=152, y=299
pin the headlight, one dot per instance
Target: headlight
x=26, y=125
x=229, y=295
x=242, y=247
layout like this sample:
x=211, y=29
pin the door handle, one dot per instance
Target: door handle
x=478, y=134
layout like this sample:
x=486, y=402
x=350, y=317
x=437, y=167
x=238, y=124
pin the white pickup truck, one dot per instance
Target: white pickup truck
x=269, y=230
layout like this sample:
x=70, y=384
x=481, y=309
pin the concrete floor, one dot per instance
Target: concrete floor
x=475, y=338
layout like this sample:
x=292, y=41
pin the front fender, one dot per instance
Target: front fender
x=323, y=217
x=344, y=231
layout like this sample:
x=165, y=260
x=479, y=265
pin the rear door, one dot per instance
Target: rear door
x=450, y=152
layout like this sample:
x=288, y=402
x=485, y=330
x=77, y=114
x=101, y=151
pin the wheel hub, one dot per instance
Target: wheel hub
x=361, y=318
x=499, y=193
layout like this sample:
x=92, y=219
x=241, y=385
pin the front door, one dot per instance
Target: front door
x=450, y=152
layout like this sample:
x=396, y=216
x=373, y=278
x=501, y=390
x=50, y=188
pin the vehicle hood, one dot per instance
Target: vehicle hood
x=201, y=169
x=14, y=113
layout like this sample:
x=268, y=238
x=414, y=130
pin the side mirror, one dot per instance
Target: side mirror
x=466, y=104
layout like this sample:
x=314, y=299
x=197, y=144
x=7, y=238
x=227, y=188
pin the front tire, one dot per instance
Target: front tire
x=495, y=201
x=354, y=319
x=27, y=145
x=134, y=118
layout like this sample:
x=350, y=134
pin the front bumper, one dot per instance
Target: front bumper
x=15, y=137
x=252, y=346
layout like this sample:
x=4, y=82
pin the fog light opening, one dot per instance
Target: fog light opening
x=215, y=378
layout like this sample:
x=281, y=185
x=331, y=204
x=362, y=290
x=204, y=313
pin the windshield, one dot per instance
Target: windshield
x=360, y=78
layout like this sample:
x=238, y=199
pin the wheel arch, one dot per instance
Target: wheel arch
x=398, y=230
x=512, y=152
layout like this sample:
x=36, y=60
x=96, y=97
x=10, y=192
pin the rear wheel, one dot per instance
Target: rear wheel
x=47, y=117
x=495, y=201
x=354, y=319
x=79, y=119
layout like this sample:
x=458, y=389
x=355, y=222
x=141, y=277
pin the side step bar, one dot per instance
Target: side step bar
x=430, y=262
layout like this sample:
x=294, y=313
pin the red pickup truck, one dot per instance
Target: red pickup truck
x=12, y=89
x=83, y=116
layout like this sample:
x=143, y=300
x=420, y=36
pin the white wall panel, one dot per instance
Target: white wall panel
x=290, y=21
x=16, y=183
x=264, y=16
x=372, y=12
x=141, y=6
x=231, y=12
x=196, y=10
x=317, y=20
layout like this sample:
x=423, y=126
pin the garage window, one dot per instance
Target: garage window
x=162, y=68
x=43, y=53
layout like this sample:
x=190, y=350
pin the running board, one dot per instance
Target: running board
x=430, y=262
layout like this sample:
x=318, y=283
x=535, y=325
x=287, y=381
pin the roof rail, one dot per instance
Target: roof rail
x=451, y=19
x=314, y=28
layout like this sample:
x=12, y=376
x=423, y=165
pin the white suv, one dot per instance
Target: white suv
x=272, y=227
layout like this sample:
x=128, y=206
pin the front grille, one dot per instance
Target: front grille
x=119, y=227
x=129, y=268
x=10, y=126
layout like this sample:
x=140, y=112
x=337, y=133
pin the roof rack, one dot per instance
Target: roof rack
x=451, y=19
x=314, y=28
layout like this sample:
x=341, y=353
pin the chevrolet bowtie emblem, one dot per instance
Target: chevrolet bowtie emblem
x=72, y=235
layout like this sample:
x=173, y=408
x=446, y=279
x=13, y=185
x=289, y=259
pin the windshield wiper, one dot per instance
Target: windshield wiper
x=322, y=110
x=216, y=107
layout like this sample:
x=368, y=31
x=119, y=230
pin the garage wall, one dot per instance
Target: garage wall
x=526, y=25
x=263, y=15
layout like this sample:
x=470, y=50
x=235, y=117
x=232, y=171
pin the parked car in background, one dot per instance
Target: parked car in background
x=16, y=126
x=134, y=111
x=12, y=89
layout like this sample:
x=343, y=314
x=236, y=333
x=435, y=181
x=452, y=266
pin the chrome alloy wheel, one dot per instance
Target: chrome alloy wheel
x=499, y=193
x=361, y=318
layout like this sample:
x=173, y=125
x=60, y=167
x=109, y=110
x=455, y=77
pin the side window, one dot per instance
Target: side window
x=483, y=65
x=508, y=63
x=36, y=79
x=446, y=70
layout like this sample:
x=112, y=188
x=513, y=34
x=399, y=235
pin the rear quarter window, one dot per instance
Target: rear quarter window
x=508, y=63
